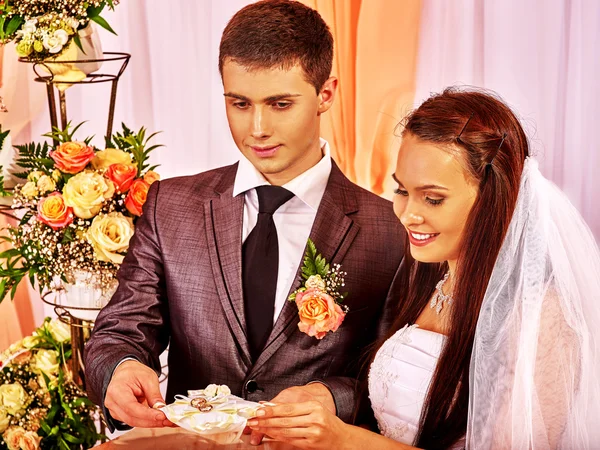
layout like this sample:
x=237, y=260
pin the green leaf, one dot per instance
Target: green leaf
x=311, y=249
x=46, y=428
x=77, y=41
x=28, y=215
x=52, y=413
x=68, y=236
x=14, y=24
x=72, y=439
x=3, y=288
x=94, y=11
x=310, y=266
x=11, y=252
x=320, y=264
x=62, y=444
x=103, y=23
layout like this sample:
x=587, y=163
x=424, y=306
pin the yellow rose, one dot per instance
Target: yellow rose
x=109, y=235
x=46, y=361
x=35, y=175
x=56, y=175
x=105, y=158
x=86, y=192
x=30, y=341
x=59, y=330
x=45, y=184
x=29, y=189
x=4, y=420
x=151, y=176
x=13, y=398
x=24, y=48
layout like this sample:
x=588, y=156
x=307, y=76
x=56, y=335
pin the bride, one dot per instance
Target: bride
x=497, y=339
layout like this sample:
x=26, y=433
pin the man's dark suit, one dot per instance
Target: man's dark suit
x=181, y=284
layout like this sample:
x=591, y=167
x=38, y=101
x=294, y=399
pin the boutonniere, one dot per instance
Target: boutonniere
x=319, y=300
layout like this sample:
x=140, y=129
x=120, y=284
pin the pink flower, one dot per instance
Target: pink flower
x=136, y=197
x=318, y=313
x=72, y=157
x=53, y=211
x=121, y=175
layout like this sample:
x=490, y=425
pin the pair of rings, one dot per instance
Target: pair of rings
x=201, y=404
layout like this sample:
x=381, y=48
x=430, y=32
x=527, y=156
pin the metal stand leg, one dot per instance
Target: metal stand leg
x=52, y=108
x=63, y=109
x=77, y=344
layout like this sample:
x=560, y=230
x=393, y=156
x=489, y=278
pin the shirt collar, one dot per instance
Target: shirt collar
x=309, y=186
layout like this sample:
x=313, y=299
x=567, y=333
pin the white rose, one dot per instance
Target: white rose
x=62, y=36
x=86, y=192
x=211, y=390
x=29, y=189
x=29, y=26
x=73, y=22
x=4, y=420
x=59, y=330
x=46, y=361
x=315, y=282
x=110, y=234
x=224, y=390
x=46, y=184
x=13, y=398
x=52, y=44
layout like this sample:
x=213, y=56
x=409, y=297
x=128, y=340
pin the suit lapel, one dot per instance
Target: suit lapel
x=224, y=216
x=332, y=232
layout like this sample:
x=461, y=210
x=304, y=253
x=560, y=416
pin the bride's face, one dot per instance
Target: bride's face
x=434, y=197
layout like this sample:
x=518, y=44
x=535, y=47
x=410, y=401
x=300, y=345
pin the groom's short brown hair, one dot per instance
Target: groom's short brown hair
x=272, y=33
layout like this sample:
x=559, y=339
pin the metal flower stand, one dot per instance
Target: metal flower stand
x=46, y=72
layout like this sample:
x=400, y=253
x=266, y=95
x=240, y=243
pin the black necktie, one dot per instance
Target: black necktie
x=260, y=263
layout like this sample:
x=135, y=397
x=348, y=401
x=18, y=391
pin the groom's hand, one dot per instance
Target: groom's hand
x=300, y=394
x=132, y=392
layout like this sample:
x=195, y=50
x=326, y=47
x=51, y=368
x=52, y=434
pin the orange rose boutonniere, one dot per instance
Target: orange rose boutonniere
x=319, y=300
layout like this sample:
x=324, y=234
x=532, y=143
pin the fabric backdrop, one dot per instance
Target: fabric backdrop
x=541, y=56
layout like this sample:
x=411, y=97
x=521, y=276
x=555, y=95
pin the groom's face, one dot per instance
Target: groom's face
x=274, y=118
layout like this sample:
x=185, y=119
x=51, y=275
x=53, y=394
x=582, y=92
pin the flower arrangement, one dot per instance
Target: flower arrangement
x=40, y=406
x=42, y=28
x=319, y=300
x=78, y=206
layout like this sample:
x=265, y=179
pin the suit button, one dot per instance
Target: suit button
x=251, y=386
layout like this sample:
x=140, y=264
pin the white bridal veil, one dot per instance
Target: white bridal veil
x=535, y=369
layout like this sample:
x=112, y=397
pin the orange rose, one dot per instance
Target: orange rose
x=318, y=312
x=121, y=175
x=72, y=157
x=53, y=211
x=137, y=197
x=151, y=176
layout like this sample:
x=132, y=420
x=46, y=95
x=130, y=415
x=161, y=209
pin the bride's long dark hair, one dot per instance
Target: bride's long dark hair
x=493, y=147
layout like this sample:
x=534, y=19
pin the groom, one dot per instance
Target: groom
x=215, y=255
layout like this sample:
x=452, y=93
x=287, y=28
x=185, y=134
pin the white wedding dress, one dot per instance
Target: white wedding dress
x=399, y=380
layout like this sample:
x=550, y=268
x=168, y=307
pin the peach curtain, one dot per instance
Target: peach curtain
x=375, y=61
x=16, y=317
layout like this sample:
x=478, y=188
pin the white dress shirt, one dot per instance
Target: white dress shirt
x=293, y=220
